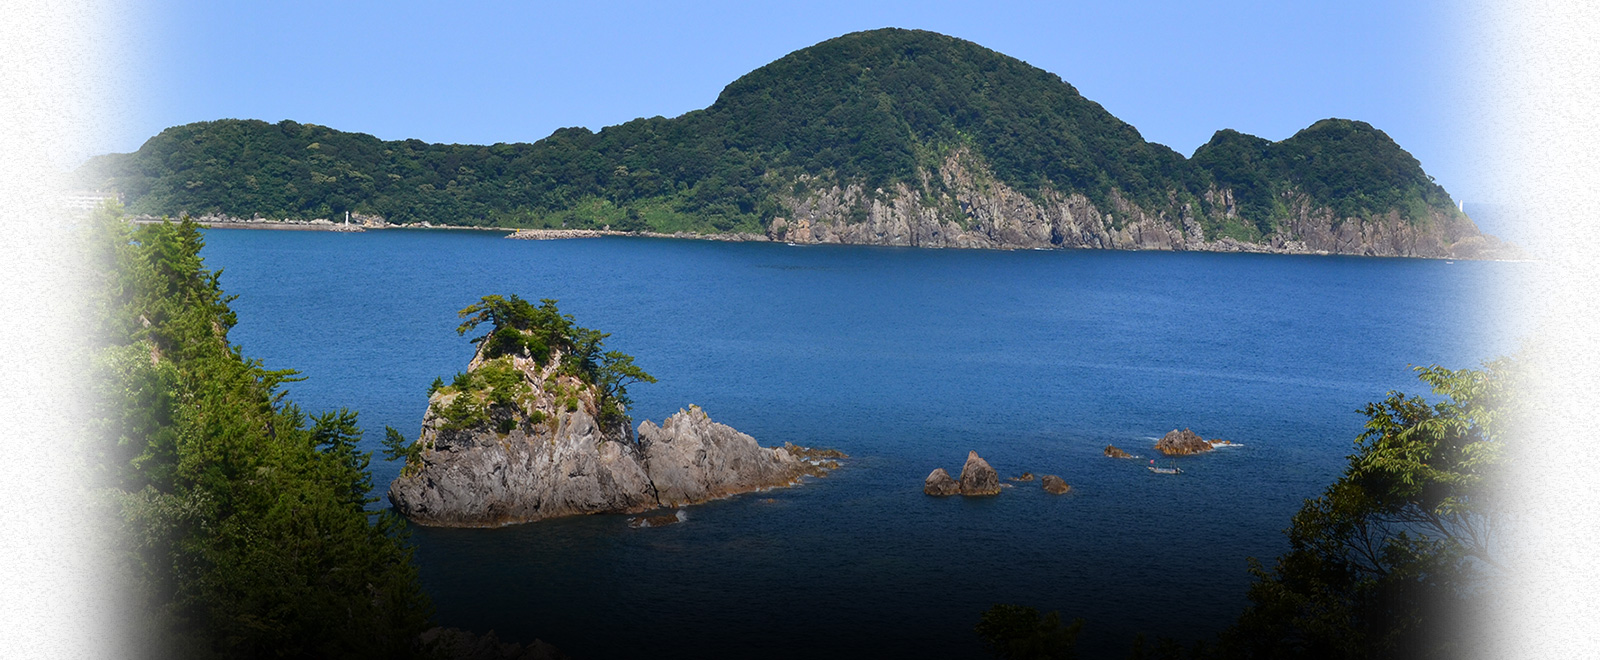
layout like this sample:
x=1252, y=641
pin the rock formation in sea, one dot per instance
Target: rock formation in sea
x=940, y=483
x=1026, y=477
x=1113, y=452
x=1182, y=443
x=977, y=478
x=691, y=459
x=535, y=450
x=1054, y=485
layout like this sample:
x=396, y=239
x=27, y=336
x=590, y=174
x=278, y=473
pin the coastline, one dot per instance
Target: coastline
x=365, y=223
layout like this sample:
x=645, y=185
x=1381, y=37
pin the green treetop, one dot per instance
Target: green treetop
x=1403, y=543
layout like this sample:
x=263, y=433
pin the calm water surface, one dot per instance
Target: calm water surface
x=905, y=359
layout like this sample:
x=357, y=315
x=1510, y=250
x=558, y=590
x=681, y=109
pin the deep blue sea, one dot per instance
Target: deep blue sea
x=906, y=359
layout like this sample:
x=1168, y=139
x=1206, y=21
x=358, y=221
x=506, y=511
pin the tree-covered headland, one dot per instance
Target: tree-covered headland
x=245, y=526
x=869, y=109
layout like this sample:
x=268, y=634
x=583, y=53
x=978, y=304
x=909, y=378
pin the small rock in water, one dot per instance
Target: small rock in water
x=939, y=483
x=811, y=452
x=1113, y=452
x=1182, y=443
x=977, y=478
x=1026, y=476
x=1054, y=484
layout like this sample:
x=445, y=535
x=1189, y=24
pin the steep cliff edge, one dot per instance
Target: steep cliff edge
x=524, y=435
x=961, y=204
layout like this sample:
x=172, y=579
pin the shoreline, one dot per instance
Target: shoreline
x=1220, y=247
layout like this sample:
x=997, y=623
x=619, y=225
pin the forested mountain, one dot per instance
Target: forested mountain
x=888, y=136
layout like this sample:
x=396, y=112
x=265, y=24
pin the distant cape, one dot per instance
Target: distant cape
x=884, y=137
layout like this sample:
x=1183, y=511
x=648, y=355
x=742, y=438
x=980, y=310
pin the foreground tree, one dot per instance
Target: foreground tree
x=1015, y=632
x=246, y=529
x=1402, y=545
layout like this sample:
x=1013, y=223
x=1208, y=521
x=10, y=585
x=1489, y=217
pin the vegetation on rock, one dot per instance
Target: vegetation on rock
x=519, y=329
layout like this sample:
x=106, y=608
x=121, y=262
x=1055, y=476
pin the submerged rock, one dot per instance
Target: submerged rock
x=1113, y=452
x=1182, y=443
x=940, y=483
x=663, y=520
x=1054, y=485
x=811, y=453
x=1026, y=476
x=977, y=478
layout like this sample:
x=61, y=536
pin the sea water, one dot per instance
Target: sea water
x=905, y=359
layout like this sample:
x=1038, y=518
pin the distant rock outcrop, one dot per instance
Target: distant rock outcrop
x=1182, y=443
x=1026, y=477
x=1113, y=452
x=540, y=453
x=977, y=478
x=1054, y=485
x=940, y=483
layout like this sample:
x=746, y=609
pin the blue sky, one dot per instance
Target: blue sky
x=485, y=72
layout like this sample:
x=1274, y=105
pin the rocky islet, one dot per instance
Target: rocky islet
x=546, y=455
x=1182, y=443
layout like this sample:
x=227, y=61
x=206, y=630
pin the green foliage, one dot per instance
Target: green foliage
x=1348, y=166
x=246, y=528
x=1379, y=563
x=873, y=108
x=516, y=327
x=477, y=393
x=613, y=373
x=1015, y=632
x=397, y=448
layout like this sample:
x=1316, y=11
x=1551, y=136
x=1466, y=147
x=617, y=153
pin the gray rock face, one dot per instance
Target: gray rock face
x=1054, y=485
x=1182, y=443
x=940, y=483
x=555, y=460
x=973, y=209
x=691, y=459
x=977, y=478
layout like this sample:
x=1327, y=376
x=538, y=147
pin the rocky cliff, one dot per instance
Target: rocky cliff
x=960, y=203
x=543, y=455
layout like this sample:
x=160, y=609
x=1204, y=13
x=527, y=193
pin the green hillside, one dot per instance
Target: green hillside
x=870, y=108
x=1348, y=166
